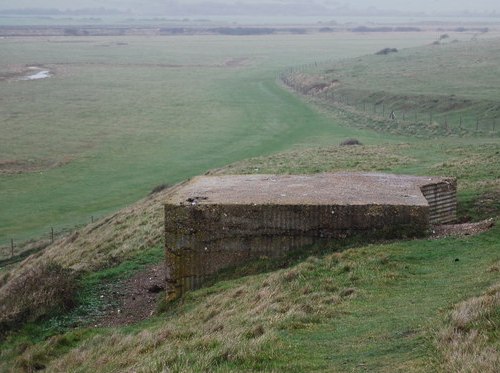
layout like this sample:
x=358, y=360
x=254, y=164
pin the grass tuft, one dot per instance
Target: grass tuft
x=470, y=341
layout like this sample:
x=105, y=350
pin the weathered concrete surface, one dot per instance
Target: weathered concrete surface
x=219, y=221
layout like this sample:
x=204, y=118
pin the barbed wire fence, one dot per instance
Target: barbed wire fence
x=15, y=248
x=393, y=113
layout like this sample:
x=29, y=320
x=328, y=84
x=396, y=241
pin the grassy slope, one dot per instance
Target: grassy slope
x=438, y=83
x=402, y=291
x=368, y=309
x=126, y=123
x=374, y=308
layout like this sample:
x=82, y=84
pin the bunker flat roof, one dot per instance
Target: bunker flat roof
x=317, y=189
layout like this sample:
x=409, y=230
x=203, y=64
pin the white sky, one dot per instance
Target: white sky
x=428, y=6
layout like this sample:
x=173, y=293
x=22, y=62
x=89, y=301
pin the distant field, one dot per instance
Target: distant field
x=121, y=115
x=448, y=87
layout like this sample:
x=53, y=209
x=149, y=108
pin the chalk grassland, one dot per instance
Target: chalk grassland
x=121, y=115
x=130, y=231
x=381, y=307
x=447, y=88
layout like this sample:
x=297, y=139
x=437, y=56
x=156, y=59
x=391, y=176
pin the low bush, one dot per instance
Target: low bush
x=42, y=291
x=386, y=51
x=159, y=188
x=350, y=142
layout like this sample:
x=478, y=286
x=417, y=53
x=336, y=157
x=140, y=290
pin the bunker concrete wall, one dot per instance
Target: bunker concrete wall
x=442, y=199
x=202, y=239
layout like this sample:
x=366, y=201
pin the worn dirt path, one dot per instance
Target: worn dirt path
x=135, y=299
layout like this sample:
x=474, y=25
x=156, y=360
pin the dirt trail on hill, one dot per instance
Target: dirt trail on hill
x=135, y=299
x=460, y=230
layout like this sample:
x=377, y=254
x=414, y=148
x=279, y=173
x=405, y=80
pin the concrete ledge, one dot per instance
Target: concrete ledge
x=219, y=221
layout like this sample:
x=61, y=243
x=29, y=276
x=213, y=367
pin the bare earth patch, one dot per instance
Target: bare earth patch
x=20, y=166
x=12, y=71
x=134, y=299
x=465, y=229
x=20, y=72
x=236, y=62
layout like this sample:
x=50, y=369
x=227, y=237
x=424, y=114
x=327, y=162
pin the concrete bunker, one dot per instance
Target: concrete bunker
x=213, y=222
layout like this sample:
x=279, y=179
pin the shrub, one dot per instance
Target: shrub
x=37, y=293
x=159, y=188
x=386, y=51
x=350, y=142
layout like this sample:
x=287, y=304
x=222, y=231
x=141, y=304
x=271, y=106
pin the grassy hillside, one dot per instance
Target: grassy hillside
x=122, y=115
x=441, y=89
x=376, y=307
x=419, y=306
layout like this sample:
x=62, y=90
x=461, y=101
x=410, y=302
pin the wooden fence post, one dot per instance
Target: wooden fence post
x=11, y=247
x=52, y=234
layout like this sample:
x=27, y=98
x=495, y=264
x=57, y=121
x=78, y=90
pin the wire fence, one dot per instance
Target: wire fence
x=16, y=248
x=396, y=110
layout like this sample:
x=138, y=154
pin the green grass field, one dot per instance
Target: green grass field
x=426, y=305
x=122, y=115
x=449, y=88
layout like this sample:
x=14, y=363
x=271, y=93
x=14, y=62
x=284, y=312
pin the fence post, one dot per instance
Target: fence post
x=52, y=234
x=383, y=109
x=92, y=219
x=11, y=247
x=494, y=123
x=477, y=124
x=460, y=122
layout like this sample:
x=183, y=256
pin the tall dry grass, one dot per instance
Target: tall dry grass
x=232, y=328
x=29, y=289
x=41, y=291
x=469, y=343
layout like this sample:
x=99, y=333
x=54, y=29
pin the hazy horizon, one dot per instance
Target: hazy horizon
x=266, y=7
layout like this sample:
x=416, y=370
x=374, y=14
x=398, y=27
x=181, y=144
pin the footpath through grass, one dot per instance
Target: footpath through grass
x=122, y=115
x=372, y=308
